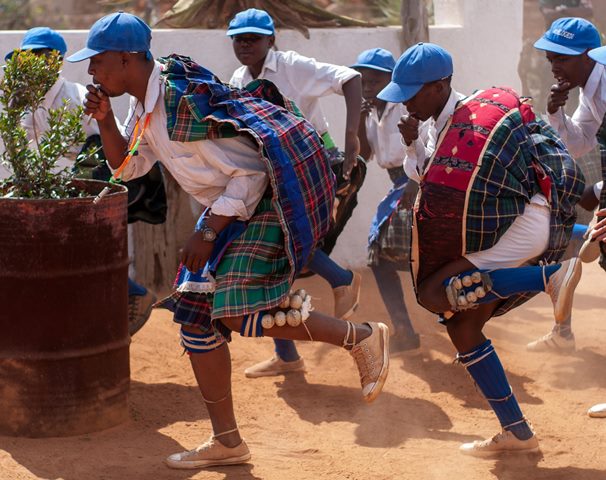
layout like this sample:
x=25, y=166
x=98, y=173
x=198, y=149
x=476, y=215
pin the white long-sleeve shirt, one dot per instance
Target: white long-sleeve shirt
x=227, y=175
x=423, y=148
x=384, y=137
x=301, y=79
x=578, y=132
x=36, y=124
x=61, y=91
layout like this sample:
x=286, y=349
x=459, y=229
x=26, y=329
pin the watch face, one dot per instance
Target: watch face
x=209, y=234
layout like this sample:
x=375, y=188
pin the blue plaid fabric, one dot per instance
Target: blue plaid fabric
x=200, y=107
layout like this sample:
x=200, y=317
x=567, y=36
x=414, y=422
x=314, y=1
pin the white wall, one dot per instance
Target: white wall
x=485, y=49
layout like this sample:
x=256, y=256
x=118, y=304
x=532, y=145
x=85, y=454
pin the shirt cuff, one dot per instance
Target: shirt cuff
x=557, y=119
x=231, y=207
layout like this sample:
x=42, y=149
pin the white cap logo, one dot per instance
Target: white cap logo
x=563, y=33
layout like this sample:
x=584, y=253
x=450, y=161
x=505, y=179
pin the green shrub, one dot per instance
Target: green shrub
x=33, y=164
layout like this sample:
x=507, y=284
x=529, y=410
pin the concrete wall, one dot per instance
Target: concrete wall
x=485, y=44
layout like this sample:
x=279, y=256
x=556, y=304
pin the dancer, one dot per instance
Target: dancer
x=305, y=81
x=498, y=177
x=265, y=180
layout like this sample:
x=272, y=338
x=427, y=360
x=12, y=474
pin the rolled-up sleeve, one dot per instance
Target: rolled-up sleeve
x=237, y=159
x=317, y=79
x=579, y=131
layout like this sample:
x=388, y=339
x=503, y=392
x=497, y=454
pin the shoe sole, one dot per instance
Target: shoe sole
x=374, y=393
x=497, y=453
x=549, y=346
x=356, y=304
x=274, y=373
x=563, y=306
x=191, y=465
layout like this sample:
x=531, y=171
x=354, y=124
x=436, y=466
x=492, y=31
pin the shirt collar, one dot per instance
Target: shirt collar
x=152, y=92
x=591, y=86
x=448, y=109
x=270, y=63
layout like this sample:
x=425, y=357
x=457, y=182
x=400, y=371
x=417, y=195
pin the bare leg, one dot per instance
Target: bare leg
x=213, y=374
x=322, y=328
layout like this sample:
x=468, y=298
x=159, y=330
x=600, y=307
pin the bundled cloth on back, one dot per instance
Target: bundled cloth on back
x=492, y=157
x=288, y=224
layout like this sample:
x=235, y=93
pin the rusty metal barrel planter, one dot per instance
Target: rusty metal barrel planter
x=64, y=343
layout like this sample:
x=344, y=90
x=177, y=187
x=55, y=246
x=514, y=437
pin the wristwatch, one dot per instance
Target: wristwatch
x=208, y=233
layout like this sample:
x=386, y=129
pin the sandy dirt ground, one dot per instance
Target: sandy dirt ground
x=316, y=426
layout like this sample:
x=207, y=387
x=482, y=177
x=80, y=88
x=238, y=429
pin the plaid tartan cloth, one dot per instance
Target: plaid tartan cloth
x=251, y=273
x=390, y=229
x=200, y=107
x=482, y=196
x=523, y=148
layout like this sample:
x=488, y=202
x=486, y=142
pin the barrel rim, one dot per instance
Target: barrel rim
x=94, y=187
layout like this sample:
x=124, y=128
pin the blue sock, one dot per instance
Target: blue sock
x=286, y=350
x=135, y=289
x=510, y=281
x=485, y=368
x=321, y=264
x=578, y=231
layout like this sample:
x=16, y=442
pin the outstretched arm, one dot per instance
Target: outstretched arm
x=352, y=91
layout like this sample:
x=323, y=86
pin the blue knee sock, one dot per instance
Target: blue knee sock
x=321, y=264
x=510, y=281
x=485, y=368
x=135, y=289
x=286, y=350
x=578, y=231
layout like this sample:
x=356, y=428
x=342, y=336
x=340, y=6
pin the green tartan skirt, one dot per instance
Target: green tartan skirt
x=252, y=275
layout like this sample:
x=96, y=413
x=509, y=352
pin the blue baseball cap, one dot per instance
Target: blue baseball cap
x=420, y=64
x=376, y=59
x=41, y=37
x=251, y=21
x=118, y=32
x=569, y=36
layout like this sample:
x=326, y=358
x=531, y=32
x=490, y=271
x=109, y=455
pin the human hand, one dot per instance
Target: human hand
x=96, y=103
x=409, y=194
x=598, y=233
x=558, y=97
x=352, y=149
x=366, y=108
x=196, y=252
x=409, y=128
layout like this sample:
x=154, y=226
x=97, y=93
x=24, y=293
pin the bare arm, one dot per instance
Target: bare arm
x=197, y=251
x=365, y=149
x=352, y=91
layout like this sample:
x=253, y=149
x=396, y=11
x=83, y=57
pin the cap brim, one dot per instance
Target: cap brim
x=240, y=31
x=544, y=44
x=396, y=93
x=371, y=67
x=30, y=46
x=598, y=54
x=83, y=54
